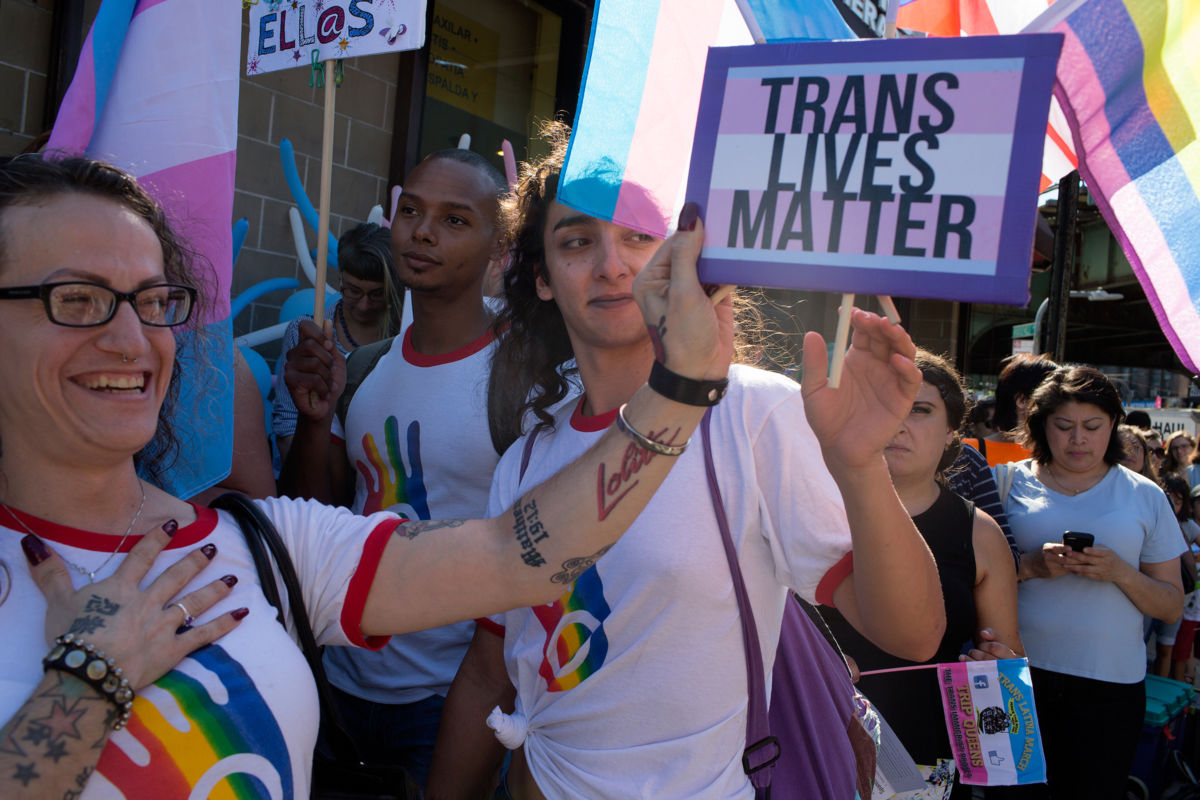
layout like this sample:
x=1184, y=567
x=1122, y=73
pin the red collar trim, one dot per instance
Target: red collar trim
x=587, y=424
x=206, y=520
x=422, y=360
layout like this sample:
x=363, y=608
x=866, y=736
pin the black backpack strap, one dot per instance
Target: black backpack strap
x=358, y=366
x=262, y=537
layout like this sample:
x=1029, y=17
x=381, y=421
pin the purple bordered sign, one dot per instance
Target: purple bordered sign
x=906, y=167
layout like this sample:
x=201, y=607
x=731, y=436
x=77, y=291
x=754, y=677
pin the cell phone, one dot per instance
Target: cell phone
x=1077, y=540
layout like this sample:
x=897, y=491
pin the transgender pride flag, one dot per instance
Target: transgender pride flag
x=156, y=93
x=629, y=153
x=1129, y=84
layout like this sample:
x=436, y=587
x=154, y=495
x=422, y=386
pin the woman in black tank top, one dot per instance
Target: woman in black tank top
x=979, y=583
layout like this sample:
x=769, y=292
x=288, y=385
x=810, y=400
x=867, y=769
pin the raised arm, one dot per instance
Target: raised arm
x=556, y=531
x=315, y=376
x=893, y=595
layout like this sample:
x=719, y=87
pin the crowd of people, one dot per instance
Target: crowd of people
x=538, y=497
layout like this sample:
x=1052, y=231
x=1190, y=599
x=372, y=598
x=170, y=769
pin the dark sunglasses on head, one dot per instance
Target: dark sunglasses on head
x=81, y=304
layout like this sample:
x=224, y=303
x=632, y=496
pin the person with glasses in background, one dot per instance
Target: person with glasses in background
x=368, y=310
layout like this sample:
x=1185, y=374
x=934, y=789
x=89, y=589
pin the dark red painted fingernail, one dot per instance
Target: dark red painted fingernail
x=170, y=526
x=688, y=216
x=35, y=550
x=239, y=613
x=209, y=551
x=229, y=580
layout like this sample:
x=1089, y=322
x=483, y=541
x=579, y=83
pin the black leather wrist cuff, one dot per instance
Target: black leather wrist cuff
x=675, y=387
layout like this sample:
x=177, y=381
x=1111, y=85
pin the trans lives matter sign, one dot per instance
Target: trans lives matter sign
x=906, y=167
x=284, y=33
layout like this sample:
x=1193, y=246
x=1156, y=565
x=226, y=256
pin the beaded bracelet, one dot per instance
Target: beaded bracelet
x=645, y=442
x=71, y=654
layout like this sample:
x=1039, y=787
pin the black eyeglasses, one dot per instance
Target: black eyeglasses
x=80, y=304
x=354, y=294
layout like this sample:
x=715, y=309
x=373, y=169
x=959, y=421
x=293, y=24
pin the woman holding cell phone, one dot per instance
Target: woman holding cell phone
x=1100, y=548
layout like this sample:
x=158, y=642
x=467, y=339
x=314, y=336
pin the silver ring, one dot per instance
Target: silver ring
x=188, y=619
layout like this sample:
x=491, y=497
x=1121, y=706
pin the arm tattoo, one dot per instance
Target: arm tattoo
x=612, y=488
x=529, y=531
x=574, y=567
x=657, y=334
x=56, y=723
x=411, y=529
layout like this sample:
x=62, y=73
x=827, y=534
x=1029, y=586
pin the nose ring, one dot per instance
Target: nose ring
x=127, y=360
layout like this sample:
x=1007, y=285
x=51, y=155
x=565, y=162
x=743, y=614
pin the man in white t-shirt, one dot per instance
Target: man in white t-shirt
x=633, y=683
x=415, y=439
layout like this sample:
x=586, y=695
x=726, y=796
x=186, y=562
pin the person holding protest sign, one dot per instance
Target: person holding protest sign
x=1082, y=593
x=639, y=668
x=979, y=585
x=410, y=434
x=170, y=676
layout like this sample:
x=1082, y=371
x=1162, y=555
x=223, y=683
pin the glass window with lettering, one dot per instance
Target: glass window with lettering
x=493, y=73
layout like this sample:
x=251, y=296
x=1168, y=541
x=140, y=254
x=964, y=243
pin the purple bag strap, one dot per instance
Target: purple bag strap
x=526, y=452
x=762, y=749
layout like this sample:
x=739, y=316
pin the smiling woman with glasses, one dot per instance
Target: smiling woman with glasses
x=128, y=608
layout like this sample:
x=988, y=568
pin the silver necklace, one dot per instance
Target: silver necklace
x=1067, y=488
x=91, y=573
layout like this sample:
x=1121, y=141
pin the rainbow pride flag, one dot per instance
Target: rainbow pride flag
x=629, y=153
x=1129, y=84
x=987, y=18
x=169, y=115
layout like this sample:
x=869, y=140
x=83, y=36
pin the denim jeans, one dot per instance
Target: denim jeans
x=393, y=734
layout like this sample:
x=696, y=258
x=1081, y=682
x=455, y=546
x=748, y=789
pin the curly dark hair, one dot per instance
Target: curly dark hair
x=941, y=375
x=529, y=372
x=32, y=179
x=1075, y=384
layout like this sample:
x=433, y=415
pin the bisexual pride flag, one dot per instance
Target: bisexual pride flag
x=1129, y=84
x=632, y=143
x=992, y=722
x=156, y=93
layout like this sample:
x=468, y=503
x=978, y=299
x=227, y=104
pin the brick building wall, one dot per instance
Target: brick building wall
x=271, y=107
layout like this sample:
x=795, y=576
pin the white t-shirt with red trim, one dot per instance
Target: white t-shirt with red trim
x=633, y=683
x=237, y=717
x=417, y=438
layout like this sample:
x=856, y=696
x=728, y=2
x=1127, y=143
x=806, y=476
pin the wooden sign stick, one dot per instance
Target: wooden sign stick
x=323, y=211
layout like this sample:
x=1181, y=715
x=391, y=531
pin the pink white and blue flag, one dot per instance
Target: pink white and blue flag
x=991, y=719
x=1127, y=82
x=169, y=116
x=631, y=146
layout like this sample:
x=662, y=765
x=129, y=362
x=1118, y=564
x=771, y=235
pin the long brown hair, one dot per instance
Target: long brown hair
x=531, y=368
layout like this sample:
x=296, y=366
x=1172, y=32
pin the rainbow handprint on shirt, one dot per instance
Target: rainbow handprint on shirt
x=388, y=484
